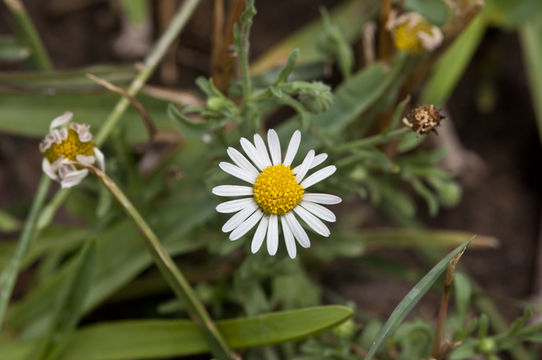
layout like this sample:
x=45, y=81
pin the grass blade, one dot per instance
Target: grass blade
x=411, y=299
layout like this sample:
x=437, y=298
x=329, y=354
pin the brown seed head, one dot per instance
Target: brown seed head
x=423, y=119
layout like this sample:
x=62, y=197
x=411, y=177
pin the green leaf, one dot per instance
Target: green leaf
x=55, y=82
x=415, y=238
x=411, y=299
x=11, y=50
x=135, y=10
x=69, y=305
x=463, y=292
x=530, y=34
x=510, y=14
x=287, y=70
x=151, y=339
x=349, y=17
x=121, y=257
x=29, y=114
x=8, y=223
x=450, y=68
x=435, y=11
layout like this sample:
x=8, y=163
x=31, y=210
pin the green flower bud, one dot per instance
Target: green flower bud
x=316, y=98
x=487, y=346
x=345, y=330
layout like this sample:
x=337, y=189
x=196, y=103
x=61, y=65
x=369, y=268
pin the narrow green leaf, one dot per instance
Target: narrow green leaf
x=450, y=68
x=11, y=50
x=151, y=339
x=349, y=17
x=411, y=299
x=287, y=70
x=69, y=305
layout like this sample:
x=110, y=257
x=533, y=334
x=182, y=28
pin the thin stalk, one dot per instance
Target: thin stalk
x=243, y=56
x=29, y=35
x=437, y=352
x=384, y=41
x=150, y=64
x=169, y=269
x=9, y=275
x=373, y=140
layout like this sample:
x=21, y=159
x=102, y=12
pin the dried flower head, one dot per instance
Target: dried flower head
x=411, y=32
x=68, y=141
x=423, y=119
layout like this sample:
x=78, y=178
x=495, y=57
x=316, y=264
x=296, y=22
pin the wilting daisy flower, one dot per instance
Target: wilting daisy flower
x=68, y=141
x=411, y=32
x=276, y=194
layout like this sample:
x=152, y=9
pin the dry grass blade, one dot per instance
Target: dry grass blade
x=145, y=116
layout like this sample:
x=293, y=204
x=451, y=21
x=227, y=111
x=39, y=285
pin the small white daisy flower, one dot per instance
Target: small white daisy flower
x=72, y=141
x=276, y=194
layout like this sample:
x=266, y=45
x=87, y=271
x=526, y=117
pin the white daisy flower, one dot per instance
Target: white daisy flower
x=276, y=194
x=67, y=140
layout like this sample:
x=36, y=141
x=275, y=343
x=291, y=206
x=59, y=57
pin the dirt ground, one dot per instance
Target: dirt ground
x=505, y=201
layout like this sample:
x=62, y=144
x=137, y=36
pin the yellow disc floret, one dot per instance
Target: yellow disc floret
x=69, y=148
x=276, y=190
x=406, y=35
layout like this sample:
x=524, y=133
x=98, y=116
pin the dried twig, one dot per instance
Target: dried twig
x=145, y=116
x=437, y=351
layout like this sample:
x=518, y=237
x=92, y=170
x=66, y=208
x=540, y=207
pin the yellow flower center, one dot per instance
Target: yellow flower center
x=276, y=190
x=406, y=36
x=69, y=148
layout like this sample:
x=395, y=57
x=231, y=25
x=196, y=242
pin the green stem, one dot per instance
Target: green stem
x=373, y=140
x=9, y=275
x=169, y=270
x=246, y=24
x=150, y=63
x=29, y=36
x=152, y=60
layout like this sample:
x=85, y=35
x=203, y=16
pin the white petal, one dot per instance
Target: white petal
x=272, y=235
x=73, y=178
x=259, y=235
x=238, y=172
x=252, y=153
x=100, y=158
x=312, y=221
x=318, y=159
x=292, y=148
x=319, y=211
x=238, y=218
x=232, y=190
x=318, y=176
x=233, y=205
x=89, y=160
x=299, y=233
x=83, y=131
x=60, y=135
x=319, y=198
x=246, y=225
x=305, y=166
x=242, y=161
x=262, y=150
x=45, y=144
x=288, y=238
x=61, y=120
x=47, y=169
x=274, y=146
